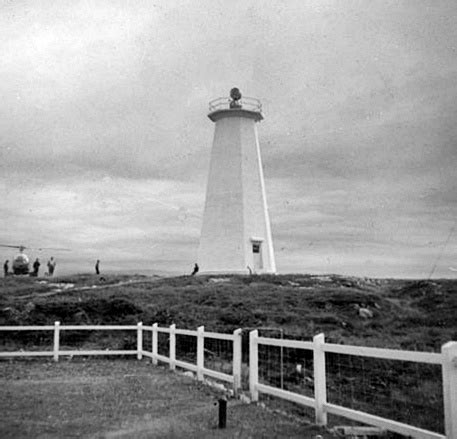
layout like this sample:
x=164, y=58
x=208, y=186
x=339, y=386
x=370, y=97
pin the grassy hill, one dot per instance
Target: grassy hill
x=408, y=314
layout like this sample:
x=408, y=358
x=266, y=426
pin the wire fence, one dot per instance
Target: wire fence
x=147, y=340
x=287, y=368
x=186, y=348
x=163, y=344
x=219, y=355
x=291, y=370
x=28, y=340
x=406, y=392
x=107, y=340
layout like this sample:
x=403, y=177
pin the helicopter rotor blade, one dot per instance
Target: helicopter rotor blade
x=36, y=248
x=53, y=248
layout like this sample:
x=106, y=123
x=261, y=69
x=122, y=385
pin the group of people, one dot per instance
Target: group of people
x=36, y=267
x=51, y=267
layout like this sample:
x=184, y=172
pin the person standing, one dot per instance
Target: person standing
x=196, y=268
x=5, y=268
x=36, y=267
x=97, y=267
x=51, y=266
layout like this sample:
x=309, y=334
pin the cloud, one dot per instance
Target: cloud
x=105, y=143
x=112, y=219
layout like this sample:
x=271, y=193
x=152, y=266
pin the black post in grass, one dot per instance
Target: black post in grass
x=222, y=413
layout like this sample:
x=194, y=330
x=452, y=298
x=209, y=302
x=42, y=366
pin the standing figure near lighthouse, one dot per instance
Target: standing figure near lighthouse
x=236, y=234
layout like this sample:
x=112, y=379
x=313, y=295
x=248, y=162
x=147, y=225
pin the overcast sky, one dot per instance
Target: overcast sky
x=105, y=140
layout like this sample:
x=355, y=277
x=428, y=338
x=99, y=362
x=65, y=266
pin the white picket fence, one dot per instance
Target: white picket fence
x=447, y=359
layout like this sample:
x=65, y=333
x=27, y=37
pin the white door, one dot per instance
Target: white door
x=257, y=253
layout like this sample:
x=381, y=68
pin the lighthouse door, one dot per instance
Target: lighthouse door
x=257, y=253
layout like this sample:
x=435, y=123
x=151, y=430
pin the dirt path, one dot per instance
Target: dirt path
x=74, y=289
x=124, y=399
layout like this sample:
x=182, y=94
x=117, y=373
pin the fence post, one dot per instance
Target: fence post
x=236, y=367
x=139, y=341
x=253, y=365
x=172, y=347
x=449, y=369
x=56, y=340
x=154, y=344
x=200, y=352
x=320, y=386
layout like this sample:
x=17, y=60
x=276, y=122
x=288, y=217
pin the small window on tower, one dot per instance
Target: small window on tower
x=255, y=248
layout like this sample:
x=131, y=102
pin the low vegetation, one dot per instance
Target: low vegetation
x=407, y=314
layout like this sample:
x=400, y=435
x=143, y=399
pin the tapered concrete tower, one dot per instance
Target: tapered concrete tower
x=236, y=234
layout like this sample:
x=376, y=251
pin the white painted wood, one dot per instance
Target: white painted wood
x=285, y=394
x=163, y=358
x=377, y=421
x=237, y=358
x=449, y=371
x=253, y=365
x=185, y=332
x=218, y=375
x=320, y=384
x=200, y=352
x=218, y=336
x=56, y=340
x=27, y=328
x=154, y=343
x=164, y=330
x=235, y=206
x=172, y=347
x=296, y=344
x=139, y=341
x=27, y=354
x=65, y=353
x=96, y=352
x=98, y=327
x=186, y=365
x=388, y=354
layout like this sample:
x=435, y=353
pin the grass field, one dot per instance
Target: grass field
x=124, y=399
x=407, y=314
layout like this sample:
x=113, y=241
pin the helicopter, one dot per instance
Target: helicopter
x=21, y=262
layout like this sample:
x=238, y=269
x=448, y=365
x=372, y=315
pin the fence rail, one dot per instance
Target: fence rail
x=206, y=356
x=389, y=354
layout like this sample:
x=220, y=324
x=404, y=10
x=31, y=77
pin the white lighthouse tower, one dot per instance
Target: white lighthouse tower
x=236, y=234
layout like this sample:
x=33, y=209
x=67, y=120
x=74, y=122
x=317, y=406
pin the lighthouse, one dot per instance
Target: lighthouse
x=236, y=233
